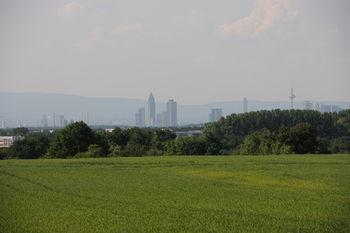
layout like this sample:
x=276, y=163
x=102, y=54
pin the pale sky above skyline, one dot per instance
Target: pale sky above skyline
x=196, y=51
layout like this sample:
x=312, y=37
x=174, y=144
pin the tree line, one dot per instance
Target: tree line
x=253, y=133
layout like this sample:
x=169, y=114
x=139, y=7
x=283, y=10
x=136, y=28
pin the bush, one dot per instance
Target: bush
x=115, y=151
x=3, y=153
x=94, y=151
x=340, y=145
x=194, y=145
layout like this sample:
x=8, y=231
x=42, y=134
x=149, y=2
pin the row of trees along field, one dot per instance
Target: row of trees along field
x=254, y=133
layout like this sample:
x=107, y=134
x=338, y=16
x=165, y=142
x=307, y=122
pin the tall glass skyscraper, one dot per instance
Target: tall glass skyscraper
x=151, y=112
x=171, y=109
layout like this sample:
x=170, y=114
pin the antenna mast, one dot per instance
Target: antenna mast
x=292, y=97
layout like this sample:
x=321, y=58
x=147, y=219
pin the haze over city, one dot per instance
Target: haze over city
x=197, y=52
x=174, y=116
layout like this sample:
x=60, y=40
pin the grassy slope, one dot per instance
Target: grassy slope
x=177, y=194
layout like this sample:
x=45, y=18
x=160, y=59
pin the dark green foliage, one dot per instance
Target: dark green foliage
x=296, y=130
x=303, y=138
x=161, y=137
x=21, y=131
x=265, y=143
x=118, y=137
x=31, y=147
x=101, y=139
x=256, y=133
x=340, y=145
x=4, y=153
x=190, y=146
x=115, y=151
x=94, y=151
x=73, y=139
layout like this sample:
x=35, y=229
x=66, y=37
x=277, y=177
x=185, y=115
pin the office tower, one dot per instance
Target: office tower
x=245, y=105
x=87, y=118
x=44, y=121
x=308, y=105
x=171, y=111
x=62, y=121
x=151, y=111
x=140, y=117
x=336, y=108
x=215, y=114
x=326, y=108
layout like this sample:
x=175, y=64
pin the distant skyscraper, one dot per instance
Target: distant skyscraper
x=162, y=119
x=336, y=108
x=326, y=108
x=54, y=120
x=308, y=105
x=140, y=117
x=62, y=121
x=171, y=111
x=151, y=111
x=215, y=114
x=245, y=105
x=44, y=121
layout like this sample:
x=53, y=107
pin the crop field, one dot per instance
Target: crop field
x=177, y=194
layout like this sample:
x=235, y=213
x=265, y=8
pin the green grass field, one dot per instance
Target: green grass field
x=177, y=194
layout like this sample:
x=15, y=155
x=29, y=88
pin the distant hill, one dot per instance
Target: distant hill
x=28, y=108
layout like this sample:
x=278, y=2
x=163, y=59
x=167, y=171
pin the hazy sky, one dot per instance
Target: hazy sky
x=195, y=51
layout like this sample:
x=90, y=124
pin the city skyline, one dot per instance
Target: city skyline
x=228, y=51
x=116, y=111
x=148, y=116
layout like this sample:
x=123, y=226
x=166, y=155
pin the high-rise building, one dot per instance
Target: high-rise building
x=308, y=105
x=62, y=121
x=151, y=111
x=161, y=120
x=215, y=114
x=44, y=121
x=171, y=111
x=140, y=117
x=245, y=105
x=336, y=108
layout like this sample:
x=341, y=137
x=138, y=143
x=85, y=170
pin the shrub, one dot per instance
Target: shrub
x=94, y=151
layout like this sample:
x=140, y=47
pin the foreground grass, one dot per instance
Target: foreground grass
x=177, y=194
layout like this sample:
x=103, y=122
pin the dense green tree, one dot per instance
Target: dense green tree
x=21, y=131
x=257, y=143
x=340, y=145
x=118, y=137
x=193, y=145
x=228, y=133
x=31, y=147
x=101, y=139
x=4, y=153
x=304, y=138
x=161, y=137
x=73, y=139
x=138, y=136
